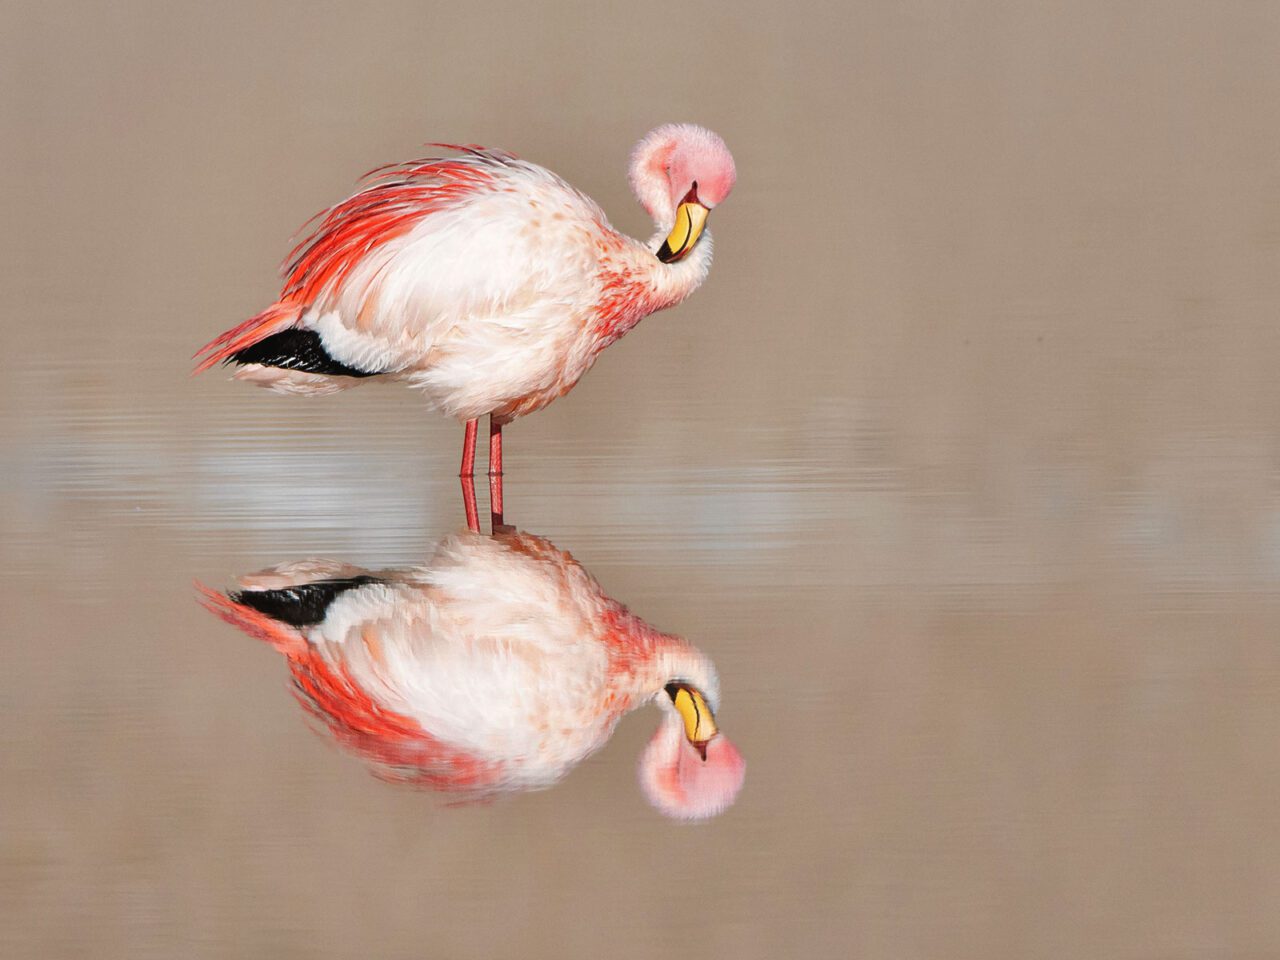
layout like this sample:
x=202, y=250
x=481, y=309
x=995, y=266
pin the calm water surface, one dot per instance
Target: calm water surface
x=1055, y=701
x=963, y=469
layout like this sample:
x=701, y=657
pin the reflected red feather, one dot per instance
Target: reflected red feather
x=397, y=744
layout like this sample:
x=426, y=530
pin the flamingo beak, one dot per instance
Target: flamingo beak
x=691, y=218
x=699, y=723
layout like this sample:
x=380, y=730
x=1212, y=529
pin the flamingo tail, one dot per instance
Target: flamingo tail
x=275, y=319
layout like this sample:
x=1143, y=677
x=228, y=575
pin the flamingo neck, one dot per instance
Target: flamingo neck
x=635, y=283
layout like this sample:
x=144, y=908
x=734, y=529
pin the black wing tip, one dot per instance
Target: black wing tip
x=295, y=349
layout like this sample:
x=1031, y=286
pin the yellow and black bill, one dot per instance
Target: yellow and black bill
x=699, y=722
x=691, y=219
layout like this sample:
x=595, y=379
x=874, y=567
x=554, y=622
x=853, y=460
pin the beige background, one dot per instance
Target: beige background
x=963, y=467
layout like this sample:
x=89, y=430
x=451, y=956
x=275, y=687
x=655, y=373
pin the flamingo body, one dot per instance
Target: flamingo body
x=496, y=667
x=484, y=280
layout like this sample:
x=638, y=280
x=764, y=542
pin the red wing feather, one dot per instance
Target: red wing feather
x=398, y=197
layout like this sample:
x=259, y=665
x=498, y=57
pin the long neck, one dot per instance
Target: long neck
x=635, y=283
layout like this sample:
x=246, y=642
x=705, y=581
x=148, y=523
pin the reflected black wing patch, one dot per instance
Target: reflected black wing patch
x=304, y=604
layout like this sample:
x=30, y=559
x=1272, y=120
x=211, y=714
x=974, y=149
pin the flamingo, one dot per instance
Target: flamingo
x=495, y=667
x=484, y=280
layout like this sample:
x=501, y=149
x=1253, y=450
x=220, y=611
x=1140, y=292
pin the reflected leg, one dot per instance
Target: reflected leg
x=469, y=449
x=469, y=504
x=495, y=504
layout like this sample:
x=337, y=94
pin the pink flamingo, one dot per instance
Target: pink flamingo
x=484, y=280
x=496, y=667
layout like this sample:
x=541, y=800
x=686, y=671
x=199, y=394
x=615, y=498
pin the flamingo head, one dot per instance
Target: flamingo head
x=679, y=173
x=690, y=770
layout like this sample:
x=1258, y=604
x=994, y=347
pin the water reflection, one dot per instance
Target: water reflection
x=495, y=667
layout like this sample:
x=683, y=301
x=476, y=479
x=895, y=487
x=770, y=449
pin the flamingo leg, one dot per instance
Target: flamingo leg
x=469, y=504
x=469, y=449
x=495, y=448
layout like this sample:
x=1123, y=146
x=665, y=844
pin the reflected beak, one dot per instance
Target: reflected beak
x=699, y=724
x=691, y=218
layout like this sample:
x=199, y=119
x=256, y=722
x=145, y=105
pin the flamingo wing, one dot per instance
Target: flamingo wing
x=393, y=199
x=346, y=250
x=428, y=250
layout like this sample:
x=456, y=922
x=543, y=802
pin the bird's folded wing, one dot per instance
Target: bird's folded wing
x=430, y=247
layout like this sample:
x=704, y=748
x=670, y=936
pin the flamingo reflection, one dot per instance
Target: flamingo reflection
x=495, y=667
